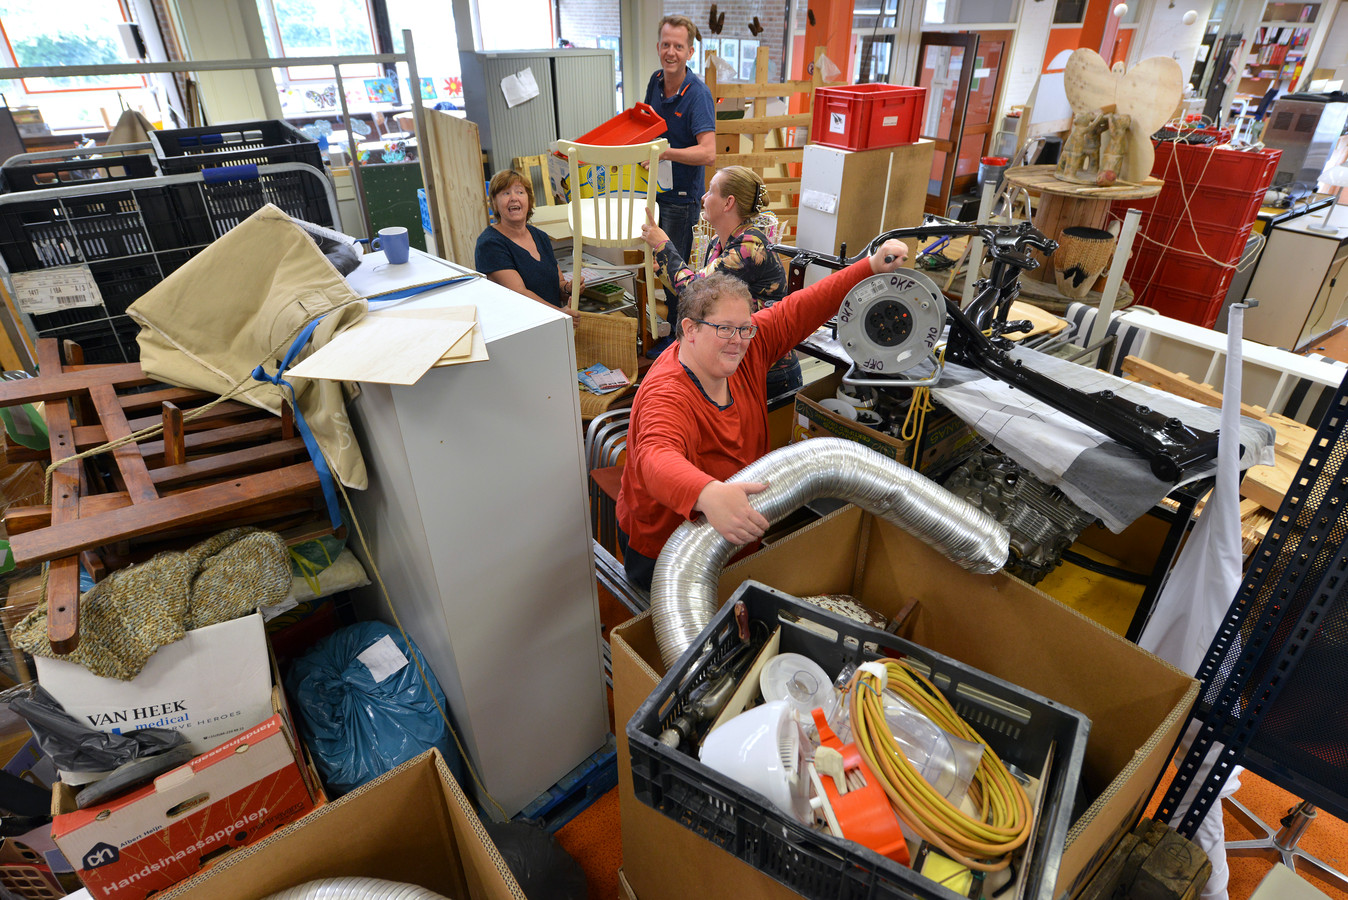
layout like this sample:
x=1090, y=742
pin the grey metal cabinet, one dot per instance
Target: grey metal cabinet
x=576, y=90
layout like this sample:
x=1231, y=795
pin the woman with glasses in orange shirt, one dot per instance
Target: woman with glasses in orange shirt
x=701, y=412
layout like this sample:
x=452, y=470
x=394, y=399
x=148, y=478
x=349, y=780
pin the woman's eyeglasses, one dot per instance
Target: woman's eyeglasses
x=726, y=332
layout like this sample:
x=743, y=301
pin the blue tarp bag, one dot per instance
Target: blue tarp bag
x=364, y=707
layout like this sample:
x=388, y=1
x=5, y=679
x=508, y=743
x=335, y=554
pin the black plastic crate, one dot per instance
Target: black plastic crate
x=103, y=341
x=31, y=176
x=43, y=232
x=186, y=150
x=234, y=195
x=1022, y=727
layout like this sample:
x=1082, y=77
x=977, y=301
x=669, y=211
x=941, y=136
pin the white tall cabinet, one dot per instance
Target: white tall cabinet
x=477, y=517
x=1301, y=282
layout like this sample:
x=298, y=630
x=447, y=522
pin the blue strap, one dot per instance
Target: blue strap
x=311, y=444
x=325, y=479
x=404, y=293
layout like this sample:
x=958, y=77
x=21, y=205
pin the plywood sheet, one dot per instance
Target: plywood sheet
x=472, y=347
x=384, y=349
x=459, y=189
x=1148, y=92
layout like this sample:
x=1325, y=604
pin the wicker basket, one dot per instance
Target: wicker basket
x=1083, y=253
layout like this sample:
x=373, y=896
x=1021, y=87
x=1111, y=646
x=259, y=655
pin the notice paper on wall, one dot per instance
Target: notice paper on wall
x=519, y=87
x=52, y=290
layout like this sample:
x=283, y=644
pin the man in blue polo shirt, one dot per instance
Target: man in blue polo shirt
x=684, y=102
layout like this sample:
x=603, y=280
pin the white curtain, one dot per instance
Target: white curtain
x=1200, y=587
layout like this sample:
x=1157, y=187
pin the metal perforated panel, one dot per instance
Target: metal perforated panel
x=1276, y=674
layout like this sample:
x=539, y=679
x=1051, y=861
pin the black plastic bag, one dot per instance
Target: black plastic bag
x=544, y=870
x=74, y=747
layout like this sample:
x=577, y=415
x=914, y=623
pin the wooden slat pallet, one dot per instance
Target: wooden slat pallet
x=758, y=125
x=233, y=465
x=1263, y=487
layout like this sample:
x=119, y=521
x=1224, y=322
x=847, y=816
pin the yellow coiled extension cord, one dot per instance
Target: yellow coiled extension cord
x=1004, y=820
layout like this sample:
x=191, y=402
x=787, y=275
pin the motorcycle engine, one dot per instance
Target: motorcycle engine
x=1041, y=520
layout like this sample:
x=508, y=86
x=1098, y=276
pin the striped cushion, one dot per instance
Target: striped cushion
x=1082, y=319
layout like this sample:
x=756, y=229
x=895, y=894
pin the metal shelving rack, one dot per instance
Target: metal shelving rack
x=408, y=56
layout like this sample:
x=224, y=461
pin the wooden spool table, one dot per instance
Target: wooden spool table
x=1064, y=204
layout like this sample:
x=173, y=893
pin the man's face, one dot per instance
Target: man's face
x=675, y=48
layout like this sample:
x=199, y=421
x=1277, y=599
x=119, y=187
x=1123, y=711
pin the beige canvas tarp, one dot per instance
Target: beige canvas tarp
x=237, y=305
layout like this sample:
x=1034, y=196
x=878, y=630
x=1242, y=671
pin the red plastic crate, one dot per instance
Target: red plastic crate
x=1193, y=235
x=1211, y=203
x=639, y=125
x=867, y=116
x=1181, y=285
x=1234, y=170
x=1206, y=203
x=1196, y=307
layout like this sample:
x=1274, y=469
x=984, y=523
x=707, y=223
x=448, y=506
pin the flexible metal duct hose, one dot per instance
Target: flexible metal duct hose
x=683, y=588
x=355, y=888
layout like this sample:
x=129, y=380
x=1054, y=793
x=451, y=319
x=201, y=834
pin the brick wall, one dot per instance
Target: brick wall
x=585, y=20
x=738, y=15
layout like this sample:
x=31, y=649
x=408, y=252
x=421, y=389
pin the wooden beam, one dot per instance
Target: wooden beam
x=150, y=400
x=65, y=538
x=227, y=463
x=130, y=464
x=759, y=160
x=227, y=410
x=89, y=436
x=175, y=450
x=63, y=576
x=761, y=125
x=779, y=89
x=66, y=384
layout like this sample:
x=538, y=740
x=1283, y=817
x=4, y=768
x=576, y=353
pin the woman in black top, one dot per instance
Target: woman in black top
x=515, y=254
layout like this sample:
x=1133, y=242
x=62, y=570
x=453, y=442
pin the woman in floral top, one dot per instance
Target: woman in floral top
x=740, y=250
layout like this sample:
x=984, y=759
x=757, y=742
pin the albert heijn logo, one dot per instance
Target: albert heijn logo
x=101, y=854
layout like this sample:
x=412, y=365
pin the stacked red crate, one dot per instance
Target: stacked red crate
x=1194, y=231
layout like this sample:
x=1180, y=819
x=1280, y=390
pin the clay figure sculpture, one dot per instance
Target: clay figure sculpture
x=1114, y=149
x=1082, y=151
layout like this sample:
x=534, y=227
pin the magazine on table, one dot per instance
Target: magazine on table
x=600, y=379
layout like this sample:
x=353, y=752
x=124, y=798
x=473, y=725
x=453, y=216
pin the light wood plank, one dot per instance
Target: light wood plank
x=456, y=148
x=766, y=158
x=777, y=89
x=762, y=124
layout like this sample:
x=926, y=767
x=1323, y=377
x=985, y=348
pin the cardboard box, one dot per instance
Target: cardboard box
x=156, y=836
x=632, y=178
x=947, y=439
x=413, y=824
x=213, y=684
x=1137, y=702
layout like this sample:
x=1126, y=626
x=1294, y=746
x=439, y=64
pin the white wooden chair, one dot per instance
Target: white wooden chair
x=609, y=204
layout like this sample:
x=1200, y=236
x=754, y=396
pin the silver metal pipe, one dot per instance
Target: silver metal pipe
x=683, y=589
x=353, y=887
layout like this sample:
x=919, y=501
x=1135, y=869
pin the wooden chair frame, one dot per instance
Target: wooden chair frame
x=614, y=212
